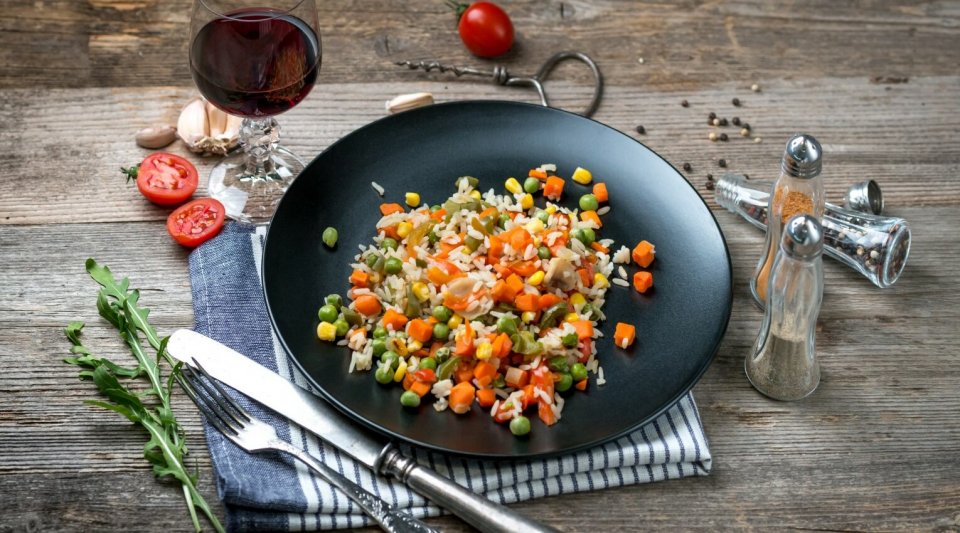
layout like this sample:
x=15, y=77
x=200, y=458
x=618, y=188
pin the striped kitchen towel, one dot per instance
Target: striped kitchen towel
x=272, y=492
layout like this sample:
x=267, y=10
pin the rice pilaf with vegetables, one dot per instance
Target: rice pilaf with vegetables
x=485, y=299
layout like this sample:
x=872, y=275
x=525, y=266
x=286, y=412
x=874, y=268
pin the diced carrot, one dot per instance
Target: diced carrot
x=548, y=300
x=503, y=271
x=599, y=247
x=519, y=239
x=524, y=268
x=502, y=292
x=539, y=174
x=484, y=382
x=624, y=335
x=484, y=369
x=585, y=276
x=360, y=278
x=591, y=216
x=515, y=282
x=389, y=209
x=461, y=397
x=367, y=304
x=420, y=330
x=581, y=385
x=546, y=414
x=392, y=320
x=463, y=373
x=642, y=281
x=553, y=188
x=515, y=377
x=486, y=397
x=464, y=345
x=422, y=388
x=502, y=345
x=391, y=231
x=408, y=380
x=496, y=247
x=527, y=302
x=438, y=214
x=600, y=191
x=490, y=211
x=584, y=329
x=529, y=398
x=643, y=254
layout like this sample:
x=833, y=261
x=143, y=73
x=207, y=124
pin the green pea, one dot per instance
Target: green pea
x=393, y=265
x=390, y=357
x=342, y=326
x=428, y=363
x=327, y=313
x=389, y=243
x=441, y=331
x=334, y=300
x=586, y=311
x=543, y=216
x=519, y=426
x=380, y=332
x=543, y=252
x=584, y=235
x=577, y=234
x=564, y=383
x=578, y=372
x=442, y=313
x=384, y=375
x=379, y=346
x=409, y=399
x=570, y=340
x=330, y=236
x=502, y=221
x=589, y=202
x=531, y=185
x=507, y=324
x=371, y=260
x=434, y=208
x=559, y=364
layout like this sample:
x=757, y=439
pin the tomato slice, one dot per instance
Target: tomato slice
x=166, y=179
x=193, y=223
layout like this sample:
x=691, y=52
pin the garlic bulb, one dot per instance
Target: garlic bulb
x=207, y=130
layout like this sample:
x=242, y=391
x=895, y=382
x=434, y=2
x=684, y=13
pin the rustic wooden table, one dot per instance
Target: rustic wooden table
x=876, y=447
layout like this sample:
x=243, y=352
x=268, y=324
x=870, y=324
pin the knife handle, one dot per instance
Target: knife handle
x=474, y=509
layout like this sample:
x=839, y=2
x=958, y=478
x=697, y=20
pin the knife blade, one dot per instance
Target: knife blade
x=320, y=418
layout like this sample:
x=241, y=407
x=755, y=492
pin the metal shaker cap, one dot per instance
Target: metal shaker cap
x=802, y=237
x=801, y=158
x=864, y=197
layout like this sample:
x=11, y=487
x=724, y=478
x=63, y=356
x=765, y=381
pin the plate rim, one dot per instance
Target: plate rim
x=396, y=436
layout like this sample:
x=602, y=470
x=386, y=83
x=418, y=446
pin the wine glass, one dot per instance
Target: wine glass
x=254, y=59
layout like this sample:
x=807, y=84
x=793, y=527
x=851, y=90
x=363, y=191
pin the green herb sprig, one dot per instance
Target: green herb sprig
x=150, y=408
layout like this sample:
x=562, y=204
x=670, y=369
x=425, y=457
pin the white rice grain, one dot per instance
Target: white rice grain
x=622, y=271
x=620, y=282
x=376, y=186
x=603, y=210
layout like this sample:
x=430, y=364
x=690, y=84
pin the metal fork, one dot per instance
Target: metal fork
x=254, y=435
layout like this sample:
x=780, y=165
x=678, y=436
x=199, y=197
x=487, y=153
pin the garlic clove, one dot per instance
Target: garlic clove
x=192, y=126
x=206, y=129
x=409, y=101
x=156, y=136
x=216, y=118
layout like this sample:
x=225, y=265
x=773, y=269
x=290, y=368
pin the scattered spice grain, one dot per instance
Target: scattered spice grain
x=715, y=122
x=744, y=132
x=755, y=88
x=723, y=122
x=687, y=167
x=722, y=163
x=712, y=136
x=735, y=121
x=641, y=130
x=736, y=102
x=723, y=136
x=710, y=185
x=685, y=103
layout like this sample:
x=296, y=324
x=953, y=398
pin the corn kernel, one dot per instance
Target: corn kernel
x=534, y=226
x=401, y=370
x=528, y=316
x=484, y=351
x=455, y=322
x=412, y=198
x=536, y=278
x=600, y=281
x=550, y=209
x=475, y=194
x=577, y=299
x=571, y=317
x=513, y=186
x=404, y=229
x=582, y=176
x=398, y=345
x=421, y=291
x=527, y=201
x=327, y=331
x=413, y=346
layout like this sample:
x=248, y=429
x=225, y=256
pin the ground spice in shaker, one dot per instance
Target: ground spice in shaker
x=798, y=190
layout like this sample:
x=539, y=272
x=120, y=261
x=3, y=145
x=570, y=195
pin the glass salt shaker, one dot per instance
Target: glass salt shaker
x=798, y=190
x=784, y=363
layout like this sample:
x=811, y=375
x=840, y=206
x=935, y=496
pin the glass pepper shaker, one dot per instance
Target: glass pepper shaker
x=784, y=363
x=798, y=190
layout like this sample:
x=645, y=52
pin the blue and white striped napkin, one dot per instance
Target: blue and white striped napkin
x=273, y=492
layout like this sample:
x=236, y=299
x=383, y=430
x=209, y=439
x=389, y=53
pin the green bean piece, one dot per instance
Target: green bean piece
x=499, y=382
x=564, y=383
x=442, y=354
x=520, y=426
x=384, y=375
x=502, y=221
x=589, y=202
x=554, y=314
x=413, y=308
x=428, y=363
x=507, y=324
x=442, y=313
x=559, y=364
x=352, y=317
x=570, y=340
x=470, y=179
x=434, y=208
x=379, y=346
x=335, y=300
x=543, y=252
x=524, y=343
x=433, y=237
x=472, y=243
x=420, y=263
x=409, y=399
x=448, y=367
x=342, y=327
x=441, y=331
x=330, y=236
x=389, y=243
x=531, y=185
x=578, y=371
x=327, y=313
x=393, y=266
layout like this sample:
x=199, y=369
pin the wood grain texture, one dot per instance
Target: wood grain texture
x=874, y=448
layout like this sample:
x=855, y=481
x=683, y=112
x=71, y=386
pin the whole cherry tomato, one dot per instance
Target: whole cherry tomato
x=485, y=29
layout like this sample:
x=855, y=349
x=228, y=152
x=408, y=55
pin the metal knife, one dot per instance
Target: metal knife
x=317, y=416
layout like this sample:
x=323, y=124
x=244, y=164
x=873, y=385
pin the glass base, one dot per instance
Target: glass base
x=250, y=193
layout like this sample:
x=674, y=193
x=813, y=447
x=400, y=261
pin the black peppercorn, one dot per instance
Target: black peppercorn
x=723, y=122
x=746, y=125
x=641, y=130
x=723, y=136
x=709, y=177
x=712, y=115
x=687, y=167
x=735, y=121
x=710, y=185
x=736, y=102
x=685, y=103
x=722, y=163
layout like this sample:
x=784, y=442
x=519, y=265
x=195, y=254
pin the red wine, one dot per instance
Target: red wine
x=256, y=62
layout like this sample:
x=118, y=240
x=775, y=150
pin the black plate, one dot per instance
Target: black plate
x=680, y=323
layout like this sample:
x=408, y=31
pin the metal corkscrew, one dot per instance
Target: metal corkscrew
x=501, y=76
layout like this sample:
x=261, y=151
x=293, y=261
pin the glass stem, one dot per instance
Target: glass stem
x=259, y=138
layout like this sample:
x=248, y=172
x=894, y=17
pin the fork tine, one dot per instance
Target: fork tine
x=212, y=416
x=223, y=394
x=214, y=399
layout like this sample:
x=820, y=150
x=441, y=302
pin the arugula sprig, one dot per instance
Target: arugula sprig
x=150, y=407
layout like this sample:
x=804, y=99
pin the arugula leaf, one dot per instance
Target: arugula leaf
x=166, y=447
